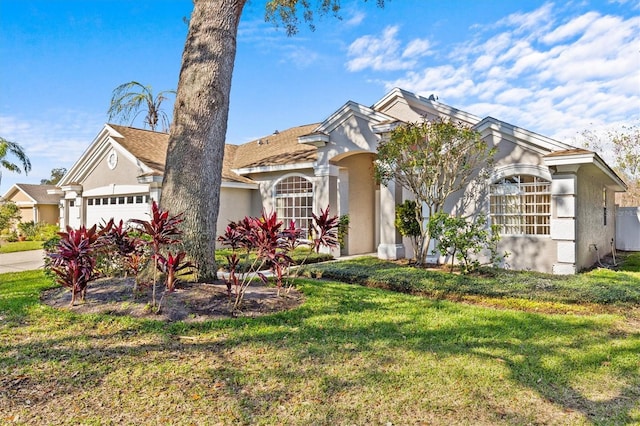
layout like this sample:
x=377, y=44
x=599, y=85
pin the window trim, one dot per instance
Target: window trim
x=537, y=220
x=311, y=197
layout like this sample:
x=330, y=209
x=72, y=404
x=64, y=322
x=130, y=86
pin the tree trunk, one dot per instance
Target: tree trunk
x=193, y=170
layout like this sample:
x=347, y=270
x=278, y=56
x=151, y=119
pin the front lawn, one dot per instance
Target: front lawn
x=588, y=292
x=349, y=355
x=6, y=247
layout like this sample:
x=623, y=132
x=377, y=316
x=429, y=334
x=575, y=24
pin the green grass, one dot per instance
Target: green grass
x=299, y=255
x=513, y=288
x=632, y=262
x=20, y=246
x=349, y=355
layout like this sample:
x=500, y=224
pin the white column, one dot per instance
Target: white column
x=563, y=219
x=390, y=246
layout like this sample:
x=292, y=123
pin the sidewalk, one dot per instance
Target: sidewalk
x=21, y=261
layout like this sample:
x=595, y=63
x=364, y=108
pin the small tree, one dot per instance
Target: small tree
x=407, y=224
x=432, y=159
x=625, y=145
x=56, y=175
x=463, y=239
x=9, y=214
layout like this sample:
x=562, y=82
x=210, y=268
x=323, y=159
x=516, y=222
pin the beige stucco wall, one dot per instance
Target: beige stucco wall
x=125, y=173
x=590, y=226
x=235, y=204
x=49, y=214
x=361, y=203
x=26, y=213
x=19, y=196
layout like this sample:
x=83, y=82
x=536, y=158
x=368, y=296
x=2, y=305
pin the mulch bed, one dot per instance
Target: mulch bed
x=190, y=302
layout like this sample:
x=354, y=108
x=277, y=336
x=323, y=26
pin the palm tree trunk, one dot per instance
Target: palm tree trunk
x=193, y=170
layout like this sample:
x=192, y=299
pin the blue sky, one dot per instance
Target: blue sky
x=555, y=68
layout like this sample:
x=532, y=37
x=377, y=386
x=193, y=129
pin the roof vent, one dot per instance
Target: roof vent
x=276, y=132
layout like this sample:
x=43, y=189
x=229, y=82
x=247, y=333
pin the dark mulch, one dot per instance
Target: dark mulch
x=191, y=302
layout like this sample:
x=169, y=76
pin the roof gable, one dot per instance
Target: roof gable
x=396, y=102
x=36, y=193
x=523, y=137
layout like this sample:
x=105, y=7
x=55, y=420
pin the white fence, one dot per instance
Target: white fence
x=628, y=228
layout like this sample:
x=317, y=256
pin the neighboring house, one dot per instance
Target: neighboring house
x=35, y=203
x=554, y=203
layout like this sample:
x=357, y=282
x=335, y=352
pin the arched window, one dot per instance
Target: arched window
x=294, y=201
x=521, y=205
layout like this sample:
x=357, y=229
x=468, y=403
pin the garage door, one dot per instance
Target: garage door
x=119, y=207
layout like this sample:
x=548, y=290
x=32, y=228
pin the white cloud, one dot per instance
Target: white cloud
x=544, y=70
x=384, y=52
x=416, y=48
x=355, y=19
x=51, y=139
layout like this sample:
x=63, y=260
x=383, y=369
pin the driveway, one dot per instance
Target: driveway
x=21, y=261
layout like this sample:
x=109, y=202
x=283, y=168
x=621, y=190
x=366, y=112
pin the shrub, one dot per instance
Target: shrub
x=463, y=239
x=407, y=224
x=273, y=246
x=162, y=230
x=73, y=260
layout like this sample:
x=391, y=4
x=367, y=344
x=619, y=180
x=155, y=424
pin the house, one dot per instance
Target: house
x=554, y=203
x=35, y=203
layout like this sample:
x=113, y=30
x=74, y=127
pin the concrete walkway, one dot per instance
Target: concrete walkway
x=21, y=261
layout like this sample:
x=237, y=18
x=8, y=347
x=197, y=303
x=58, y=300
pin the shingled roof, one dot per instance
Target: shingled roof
x=151, y=149
x=39, y=193
x=276, y=149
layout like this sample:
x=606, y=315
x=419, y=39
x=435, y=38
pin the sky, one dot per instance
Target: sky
x=554, y=68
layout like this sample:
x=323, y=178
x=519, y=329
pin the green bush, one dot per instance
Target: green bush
x=40, y=231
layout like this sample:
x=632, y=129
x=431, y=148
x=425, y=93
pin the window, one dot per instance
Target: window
x=521, y=205
x=130, y=200
x=294, y=201
x=90, y=201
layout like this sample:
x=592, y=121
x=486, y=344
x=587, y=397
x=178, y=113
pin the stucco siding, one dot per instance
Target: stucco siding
x=235, y=203
x=529, y=252
x=26, y=214
x=20, y=197
x=591, y=231
x=49, y=214
x=361, y=210
x=125, y=173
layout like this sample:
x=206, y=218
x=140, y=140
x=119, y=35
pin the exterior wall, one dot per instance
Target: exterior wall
x=19, y=196
x=591, y=231
x=49, y=213
x=628, y=228
x=235, y=203
x=361, y=203
x=529, y=252
x=26, y=213
x=125, y=173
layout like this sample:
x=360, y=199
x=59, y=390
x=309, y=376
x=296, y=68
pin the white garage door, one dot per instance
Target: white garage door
x=119, y=207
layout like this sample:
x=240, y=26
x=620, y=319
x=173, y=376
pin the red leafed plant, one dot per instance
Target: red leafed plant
x=272, y=245
x=324, y=230
x=173, y=266
x=129, y=247
x=74, y=261
x=163, y=230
